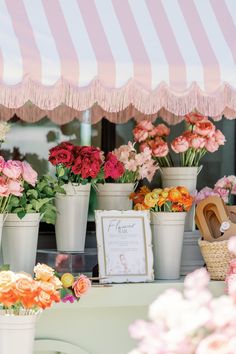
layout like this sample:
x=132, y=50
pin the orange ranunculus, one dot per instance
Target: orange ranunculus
x=150, y=201
x=81, y=286
x=144, y=190
x=137, y=198
x=174, y=195
x=177, y=208
x=67, y=280
x=187, y=202
x=161, y=201
x=140, y=206
x=183, y=190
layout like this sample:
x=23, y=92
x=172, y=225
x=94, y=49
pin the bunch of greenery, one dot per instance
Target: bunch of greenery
x=38, y=199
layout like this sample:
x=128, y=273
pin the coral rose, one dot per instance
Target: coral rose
x=162, y=130
x=219, y=137
x=180, y=144
x=145, y=125
x=81, y=286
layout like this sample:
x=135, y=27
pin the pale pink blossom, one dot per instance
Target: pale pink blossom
x=180, y=144
x=29, y=174
x=214, y=344
x=12, y=169
x=211, y=145
x=143, y=146
x=204, y=193
x=219, y=137
x=223, y=193
x=224, y=182
x=199, y=279
x=131, y=165
x=232, y=247
x=2, y=163
x=160, y=150
x=15, y=188
x=204, y=128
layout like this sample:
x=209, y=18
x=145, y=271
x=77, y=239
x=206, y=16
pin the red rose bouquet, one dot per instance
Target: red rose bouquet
x=76, y=164
x=200, y=137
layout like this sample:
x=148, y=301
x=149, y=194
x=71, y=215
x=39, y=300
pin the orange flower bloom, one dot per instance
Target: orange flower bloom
x=174, y=195
x=187, y=202
x=140, y=206
x=183, y=190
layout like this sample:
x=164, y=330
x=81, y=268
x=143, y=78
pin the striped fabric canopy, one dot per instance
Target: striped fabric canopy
x=123, y=58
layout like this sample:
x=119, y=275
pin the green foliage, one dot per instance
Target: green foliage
x=38, y=199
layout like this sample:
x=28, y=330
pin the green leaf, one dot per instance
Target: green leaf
x=33, y=193
x=21, y=214
x=60, y=171
x=14, y=201
x=4, y=267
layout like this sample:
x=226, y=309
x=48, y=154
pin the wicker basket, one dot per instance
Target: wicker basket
x=217, y=257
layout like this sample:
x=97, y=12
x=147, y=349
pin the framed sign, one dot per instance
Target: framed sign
x=124, y=243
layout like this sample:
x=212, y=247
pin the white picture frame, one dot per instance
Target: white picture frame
x=124, y=243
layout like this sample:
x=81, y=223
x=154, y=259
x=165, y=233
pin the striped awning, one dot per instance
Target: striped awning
x=122, y=58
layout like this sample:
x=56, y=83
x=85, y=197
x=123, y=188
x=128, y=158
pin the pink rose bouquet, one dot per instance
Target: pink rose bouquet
x=13, y=177
x=200, y=137
x=225, y=187
x=192, y=322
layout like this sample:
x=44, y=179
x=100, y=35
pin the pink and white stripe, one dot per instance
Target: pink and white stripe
x=137, y=56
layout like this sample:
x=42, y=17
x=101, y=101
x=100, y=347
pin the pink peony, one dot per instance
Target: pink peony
x=160, y=130
x=180, y=144
x=204, y=128
x=211, y=145
x=2, y=163
x=219, y=137
x=140, y=135
x=160, y=150
x=145, y=125
x=29, y=174
x=197, y=142
x=193, y=118
x=15, y=188
x=12, y=169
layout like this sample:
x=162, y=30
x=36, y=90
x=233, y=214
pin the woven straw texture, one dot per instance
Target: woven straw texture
x=217, y=257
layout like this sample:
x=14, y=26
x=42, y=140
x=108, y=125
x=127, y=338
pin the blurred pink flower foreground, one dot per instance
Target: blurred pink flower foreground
x=193, y=322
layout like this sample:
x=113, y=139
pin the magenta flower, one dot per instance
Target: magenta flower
x=69, y=298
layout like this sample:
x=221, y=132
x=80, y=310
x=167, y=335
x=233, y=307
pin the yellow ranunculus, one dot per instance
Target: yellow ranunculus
x=150, y=201
x=67, y=280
